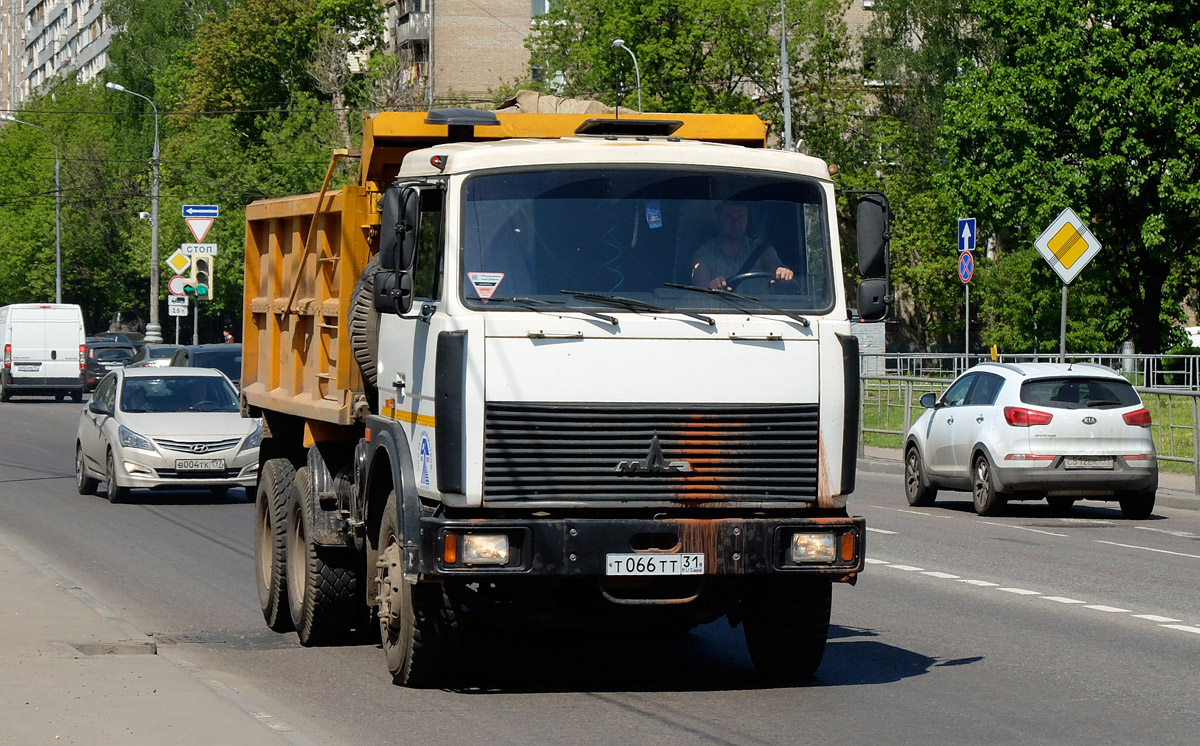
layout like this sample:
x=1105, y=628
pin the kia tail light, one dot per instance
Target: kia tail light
x=1137, y=418
x=1022, y=417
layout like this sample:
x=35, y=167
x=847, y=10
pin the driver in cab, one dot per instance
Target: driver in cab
x=732, y=252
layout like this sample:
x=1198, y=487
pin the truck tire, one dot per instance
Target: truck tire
x=5, y=396
x=323, y=583
x=270, y=536
x=417, y=625
x=786, y=625
x=364, y=323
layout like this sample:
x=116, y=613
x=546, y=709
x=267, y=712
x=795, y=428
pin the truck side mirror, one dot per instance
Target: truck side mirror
x=872, y=299
x=400, y=219
x=393, y=292
x=873, y=236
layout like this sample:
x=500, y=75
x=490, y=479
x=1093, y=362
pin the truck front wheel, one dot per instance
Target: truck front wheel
x=417, y=625
x=270, y=537
x=324, y=583
x=786, y=624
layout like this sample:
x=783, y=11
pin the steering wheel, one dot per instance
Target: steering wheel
x=205, y=405
x=733, y=282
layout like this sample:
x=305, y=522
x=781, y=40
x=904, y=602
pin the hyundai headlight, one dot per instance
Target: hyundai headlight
x=255, y=439
x=130, y=439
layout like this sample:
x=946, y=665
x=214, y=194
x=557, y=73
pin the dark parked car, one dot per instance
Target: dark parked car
x=103, y=356
x=155, y=356
x=224, y=356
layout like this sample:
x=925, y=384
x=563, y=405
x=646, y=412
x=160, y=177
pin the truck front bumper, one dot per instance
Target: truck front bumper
x=570, y=547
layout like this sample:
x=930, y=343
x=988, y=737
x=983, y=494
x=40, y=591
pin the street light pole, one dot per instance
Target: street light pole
x=57, y=207
x=636, y=71
x=153, y=329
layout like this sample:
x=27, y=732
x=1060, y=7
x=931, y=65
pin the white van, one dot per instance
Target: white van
x=44, y=350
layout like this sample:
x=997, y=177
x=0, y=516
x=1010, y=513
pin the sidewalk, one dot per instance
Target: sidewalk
x=75, y=673
x=1174, y=490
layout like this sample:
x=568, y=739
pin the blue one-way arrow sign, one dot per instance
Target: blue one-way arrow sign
x=200, y=211
x=966, y=234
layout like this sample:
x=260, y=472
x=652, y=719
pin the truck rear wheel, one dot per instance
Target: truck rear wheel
x=323, y=582
x=786, y=626
x=417, y=625
x=270, y=537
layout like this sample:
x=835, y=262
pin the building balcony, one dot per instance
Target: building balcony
x=412, y=27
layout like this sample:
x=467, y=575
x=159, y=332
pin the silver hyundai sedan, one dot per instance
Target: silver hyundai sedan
x=165, y=428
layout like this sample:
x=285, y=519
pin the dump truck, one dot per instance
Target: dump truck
x=529, y=370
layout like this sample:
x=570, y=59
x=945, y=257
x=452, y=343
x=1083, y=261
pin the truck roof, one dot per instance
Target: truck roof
x=389, y=136
x=473, y=156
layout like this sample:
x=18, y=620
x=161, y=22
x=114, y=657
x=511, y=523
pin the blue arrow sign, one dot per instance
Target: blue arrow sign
x=966, y=234
x=200, y=211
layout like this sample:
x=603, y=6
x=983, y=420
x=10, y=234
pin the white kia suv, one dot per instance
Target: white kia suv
x=1034, y=431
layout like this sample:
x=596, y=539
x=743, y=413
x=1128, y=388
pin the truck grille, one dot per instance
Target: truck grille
x=609, y=452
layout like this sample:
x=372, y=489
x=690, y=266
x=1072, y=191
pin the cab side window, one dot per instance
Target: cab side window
x=427, y=272
x=957, y=394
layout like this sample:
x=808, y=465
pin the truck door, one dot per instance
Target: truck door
x=408, y=344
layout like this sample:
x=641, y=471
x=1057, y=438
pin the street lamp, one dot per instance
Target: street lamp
x=153, y=329
x=57, y=208
x=637, y=73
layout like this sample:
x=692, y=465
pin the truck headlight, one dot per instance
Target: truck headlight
x=485, y=549
x=813, y=548
x=130, y=439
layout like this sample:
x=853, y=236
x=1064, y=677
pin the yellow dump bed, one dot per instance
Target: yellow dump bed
x=304, y=255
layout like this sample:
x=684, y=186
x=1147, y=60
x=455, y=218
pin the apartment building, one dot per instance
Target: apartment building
x=47, y=38
x=458, y=50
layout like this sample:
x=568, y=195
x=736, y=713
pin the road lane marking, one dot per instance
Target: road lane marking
x=1163, y=621
x=1023, y=528
x=873, y=561
x=881, y=531
x=1182, y=628
x=1156, y=618
x=1180, y=534
x=1149, y=549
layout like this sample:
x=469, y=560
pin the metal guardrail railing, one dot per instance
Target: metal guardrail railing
x=889, y=405
x=1151, y=371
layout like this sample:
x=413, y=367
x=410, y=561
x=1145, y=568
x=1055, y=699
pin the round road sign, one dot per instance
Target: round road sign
x=175, y=285
x=966, y=266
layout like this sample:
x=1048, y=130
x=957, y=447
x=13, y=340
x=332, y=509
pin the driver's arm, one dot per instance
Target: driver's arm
x=771, y=263
x=702, y=276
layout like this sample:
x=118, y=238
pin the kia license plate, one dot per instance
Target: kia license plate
x=199, y=464
x=1088, y=462
x=654, y=564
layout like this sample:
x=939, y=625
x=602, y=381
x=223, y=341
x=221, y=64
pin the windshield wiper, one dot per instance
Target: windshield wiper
x=539, y=305
x=730, y=296
x=635, y=305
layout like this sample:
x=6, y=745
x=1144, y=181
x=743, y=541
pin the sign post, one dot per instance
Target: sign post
x=966, y=270
x=1068, y=246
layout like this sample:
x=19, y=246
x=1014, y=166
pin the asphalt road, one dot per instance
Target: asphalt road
x=1023, y=629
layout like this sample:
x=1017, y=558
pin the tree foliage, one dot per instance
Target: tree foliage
x=1090, y=106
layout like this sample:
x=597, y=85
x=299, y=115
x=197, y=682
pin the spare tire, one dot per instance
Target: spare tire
x=364, y=325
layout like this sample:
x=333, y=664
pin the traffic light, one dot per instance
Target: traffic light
x=199, y=283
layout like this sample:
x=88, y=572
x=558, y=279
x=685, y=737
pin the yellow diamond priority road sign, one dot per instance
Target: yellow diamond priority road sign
x=1067, y=245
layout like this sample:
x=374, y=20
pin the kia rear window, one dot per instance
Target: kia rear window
x=1079, y=393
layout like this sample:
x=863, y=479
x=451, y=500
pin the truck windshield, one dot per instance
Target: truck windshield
x=632, y=232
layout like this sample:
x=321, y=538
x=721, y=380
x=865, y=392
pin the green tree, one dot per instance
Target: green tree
x=148, y=34
x=1089, y=106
